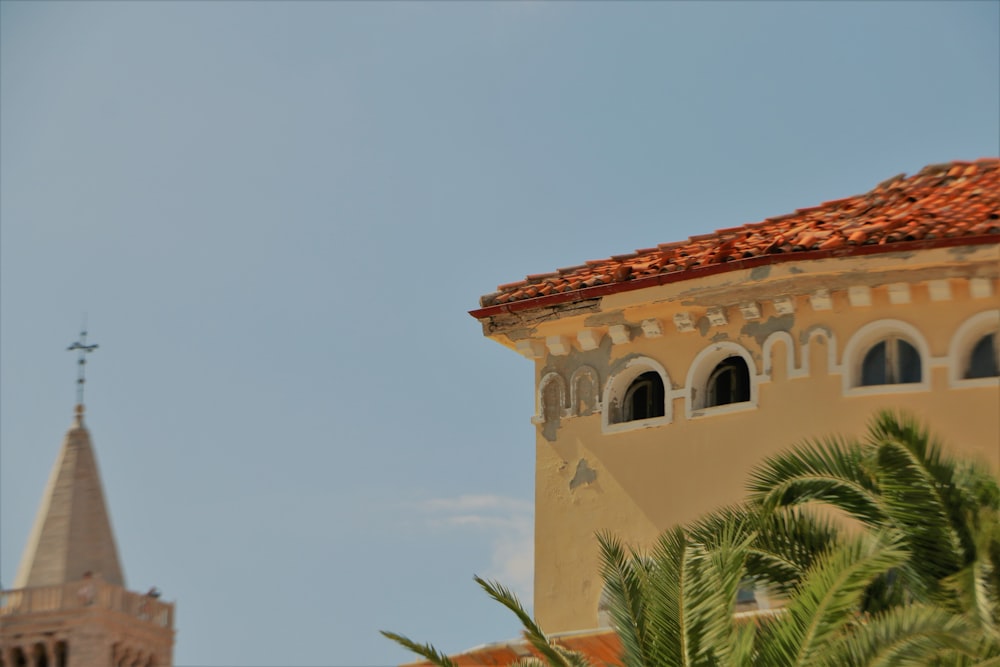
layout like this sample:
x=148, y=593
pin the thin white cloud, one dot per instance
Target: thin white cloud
x=509, y=525
x=469, y=503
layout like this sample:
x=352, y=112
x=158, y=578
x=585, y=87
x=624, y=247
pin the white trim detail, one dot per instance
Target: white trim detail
x=939, y=290
x=820, y=331
x=964, y=339
x=702, y=368
x=618, y=384
x=859, y=295
x=683, y=322
x=717, y=316
x=651, y=328
x=767, y=351
x=821, y=299
x=899, y=293
x=784, y=305
x=589, y=339
x=619, y=334
x=583, y=374
x=558, y=345
x=750, y=310
x=980, y=288
x=540, y=417
x=867, y=336
x=530, y=349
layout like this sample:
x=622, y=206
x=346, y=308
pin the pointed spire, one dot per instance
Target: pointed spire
x=72, y=532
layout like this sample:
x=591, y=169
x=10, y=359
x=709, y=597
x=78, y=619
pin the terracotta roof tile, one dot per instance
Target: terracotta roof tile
x=942, y=203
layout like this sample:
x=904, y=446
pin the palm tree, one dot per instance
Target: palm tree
x=674, y=607
x=897, y=478
x=917, y=585
x=551, y=654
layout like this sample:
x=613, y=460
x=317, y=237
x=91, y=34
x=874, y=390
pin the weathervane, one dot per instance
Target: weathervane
x=84, y=349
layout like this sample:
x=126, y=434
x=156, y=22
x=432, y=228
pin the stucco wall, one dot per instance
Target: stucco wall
x=636, y=482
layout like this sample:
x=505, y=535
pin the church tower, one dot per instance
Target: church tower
x=69, y=606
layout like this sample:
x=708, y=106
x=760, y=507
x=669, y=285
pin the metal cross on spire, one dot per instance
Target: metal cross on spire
x=84, y=349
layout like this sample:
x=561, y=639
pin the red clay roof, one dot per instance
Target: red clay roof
x=602, y=647
x=956, y=203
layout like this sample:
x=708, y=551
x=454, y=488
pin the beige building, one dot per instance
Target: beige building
x=69, y=606
x=662, y=377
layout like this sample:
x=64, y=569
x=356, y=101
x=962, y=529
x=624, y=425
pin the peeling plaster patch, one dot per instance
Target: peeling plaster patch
x=605, y=319
x=584, y=475
x=822, y=334
x=963, y=250
x=520, y=334
x=795, y=269
x=760, y=272
x=717, y=316
x=620, y=334
x=598, y=359
x=683, y=322
x=722, y=335
x=703, y=325
x=784, y=305
x=759, y=331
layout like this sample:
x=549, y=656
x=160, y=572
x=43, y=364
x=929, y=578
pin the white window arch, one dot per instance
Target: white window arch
x=637, y=396
x=974, y=351
x=886, y=356
x=722, y=378
x=584, y=391
x=551, y=400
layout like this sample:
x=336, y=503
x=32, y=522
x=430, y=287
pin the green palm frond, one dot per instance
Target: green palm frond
x=831, y=470
x=827, y=600
x=426, y=651
x=918, y=485
x=912, y=636
x=553, y=656
x=625, y=576
x=787, y=540
x=674, y=606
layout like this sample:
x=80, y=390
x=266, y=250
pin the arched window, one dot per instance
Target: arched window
x=728, y=383
x=984, y=362
x=636, y=396
x=644, y=398
x=890, y=361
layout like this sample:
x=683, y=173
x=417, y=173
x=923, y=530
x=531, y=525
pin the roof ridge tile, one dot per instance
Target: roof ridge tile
x=939, y=203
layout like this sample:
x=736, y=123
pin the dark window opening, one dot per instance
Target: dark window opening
x=985, y=359
x=729, y=383
x=60, y=657
x=644, y=398
x=891, y=361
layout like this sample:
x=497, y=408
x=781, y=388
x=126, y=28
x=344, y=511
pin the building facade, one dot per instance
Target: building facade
x=664, y=376
x=69, y=606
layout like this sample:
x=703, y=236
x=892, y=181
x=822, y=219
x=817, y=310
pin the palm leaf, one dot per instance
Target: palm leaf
x=827, y=601
x=832, y=471
x=554, y=656
x=913, y=636
x=625, y=576
x=426, y=651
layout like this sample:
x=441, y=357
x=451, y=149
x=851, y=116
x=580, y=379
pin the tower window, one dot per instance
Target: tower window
x=890, y=361
x=729, y=383
x=985, y=359
x=644, y=398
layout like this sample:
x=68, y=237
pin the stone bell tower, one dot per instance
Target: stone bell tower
x=69, y=606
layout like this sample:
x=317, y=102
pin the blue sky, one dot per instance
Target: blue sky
x=277, y=215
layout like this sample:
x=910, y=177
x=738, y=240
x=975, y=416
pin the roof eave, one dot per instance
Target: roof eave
x=598, y=291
